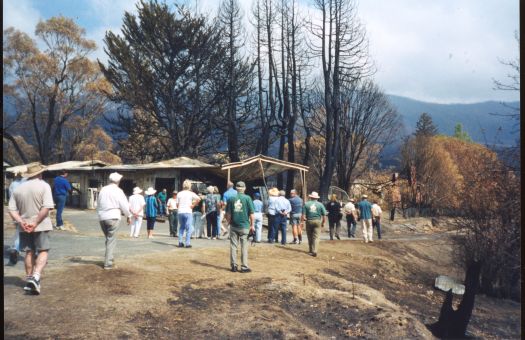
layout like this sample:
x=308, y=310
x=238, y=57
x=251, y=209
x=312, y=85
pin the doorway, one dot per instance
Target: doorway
x=165, y=183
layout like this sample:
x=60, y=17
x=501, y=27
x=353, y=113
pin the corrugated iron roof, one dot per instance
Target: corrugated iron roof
x=70, y=165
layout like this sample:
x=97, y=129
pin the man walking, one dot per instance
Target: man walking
x=111, y=203
x=376, y=218
x=239, y=214
x=173, y=214
x=273, y=194
x=61, y=188
x=351, y=219
x=314, y=214
x=295, y=219
x=29, y=206
x=162, y=197
x=365, y=214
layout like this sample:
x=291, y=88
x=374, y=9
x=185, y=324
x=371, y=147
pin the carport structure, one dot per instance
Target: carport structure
x=261, y=166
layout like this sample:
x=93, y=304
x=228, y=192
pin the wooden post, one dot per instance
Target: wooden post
x=228, y=177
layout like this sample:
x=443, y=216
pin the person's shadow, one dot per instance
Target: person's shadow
x=209, y=265
x=14, y=281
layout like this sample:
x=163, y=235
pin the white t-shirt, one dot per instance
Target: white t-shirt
x=111, y=202
x=185, y=200
x=376, y=210
x=349, y=208
x=172, y=204
x=137, y=203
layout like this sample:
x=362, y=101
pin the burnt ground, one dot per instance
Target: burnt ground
x=379, y=290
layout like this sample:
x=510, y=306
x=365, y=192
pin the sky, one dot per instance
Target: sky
x=445, y=51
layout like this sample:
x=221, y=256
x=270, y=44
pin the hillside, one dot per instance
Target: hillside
x=478, y=119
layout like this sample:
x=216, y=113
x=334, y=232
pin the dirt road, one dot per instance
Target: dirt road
x=379, y=290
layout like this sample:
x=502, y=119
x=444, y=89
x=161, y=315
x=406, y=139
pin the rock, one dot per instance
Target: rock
x=445, y=283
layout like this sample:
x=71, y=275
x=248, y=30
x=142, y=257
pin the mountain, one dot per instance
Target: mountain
x=478, y=119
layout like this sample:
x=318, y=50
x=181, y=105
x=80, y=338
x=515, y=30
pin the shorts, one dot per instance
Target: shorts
x=296, y=219
x=35, y=241
x=150, y=222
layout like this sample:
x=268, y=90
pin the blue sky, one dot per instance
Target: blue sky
x=442, y=51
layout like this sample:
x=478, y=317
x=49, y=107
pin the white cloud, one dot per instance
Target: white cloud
x=21, y=15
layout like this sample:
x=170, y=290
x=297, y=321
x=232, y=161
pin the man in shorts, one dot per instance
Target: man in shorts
x=29, y=206
x=295, y=216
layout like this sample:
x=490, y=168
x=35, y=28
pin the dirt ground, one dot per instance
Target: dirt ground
x=379, y=290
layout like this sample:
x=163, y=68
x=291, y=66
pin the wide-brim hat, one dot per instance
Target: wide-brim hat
x=352, y=200
x=136, y=190
x=314, y=194
x=273, y=192
x=240, y=185
x=34, y=169
x=364, y=196
x=210, y=189
x=115, y=177
x=150, y=191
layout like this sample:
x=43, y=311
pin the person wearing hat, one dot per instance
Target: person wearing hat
x=314, y=215
x=173, y=213
x=351, y=218
x=273, y=194
x=152, y=207
x=136, y=208
x=61, y=188
x=365, y=214
x=186, y=201
x=257, y=216
x=239, y=214
x=13, y=255
x=111, y=203
x=29, y=207
x=211, y=206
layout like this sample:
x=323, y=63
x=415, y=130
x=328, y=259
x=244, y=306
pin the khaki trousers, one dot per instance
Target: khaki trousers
x=367, y=229
x=237, y=234
x=313, y=231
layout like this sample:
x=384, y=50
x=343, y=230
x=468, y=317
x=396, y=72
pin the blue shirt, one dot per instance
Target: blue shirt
x=271, y=205
x=151, y=206
x=365, y=210
x=15, y=184
x=281, y=203
x=258, y=205
x=297, y=204
x=61, y=186
x=228, y=194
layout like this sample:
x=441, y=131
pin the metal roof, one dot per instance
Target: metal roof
x=70, y=165
x=258, y=167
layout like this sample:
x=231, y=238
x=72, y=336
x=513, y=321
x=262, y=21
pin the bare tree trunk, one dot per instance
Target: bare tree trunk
x=19, y=151
x=451, y=323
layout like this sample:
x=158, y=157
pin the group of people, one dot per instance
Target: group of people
x=31, y=199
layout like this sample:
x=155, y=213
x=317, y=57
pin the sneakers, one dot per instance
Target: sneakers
x=337, y=237
x=27, y=287
x=34, y=285
x=60, y=227
x=188, y=246
x=313, y=254
x=181, y=245
x=246, y=270
x=108, y=267
x=234, y=269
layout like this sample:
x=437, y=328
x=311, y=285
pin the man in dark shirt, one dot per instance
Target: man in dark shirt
x=61, y=188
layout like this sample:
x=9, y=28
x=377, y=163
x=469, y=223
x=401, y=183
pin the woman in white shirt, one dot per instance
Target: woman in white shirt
x=186, y=201
x=173, y=215
x=136, y=207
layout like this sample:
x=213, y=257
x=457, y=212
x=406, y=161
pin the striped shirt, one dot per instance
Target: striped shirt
x=151, y=206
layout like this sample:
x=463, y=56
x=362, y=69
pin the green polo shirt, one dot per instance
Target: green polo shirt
x=313, y=210
x=240, y=207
